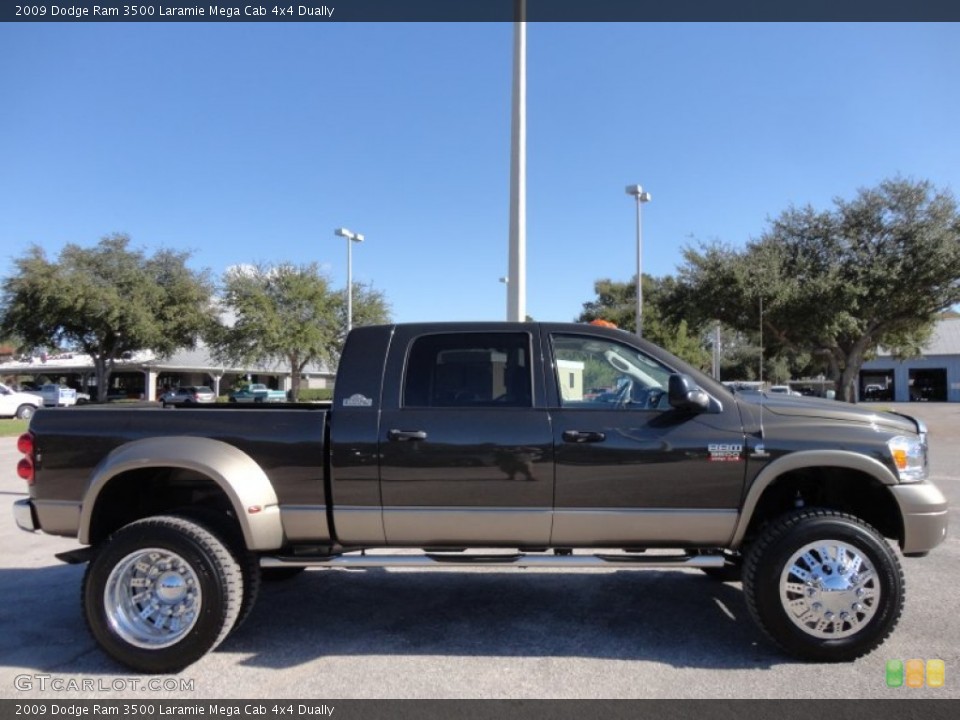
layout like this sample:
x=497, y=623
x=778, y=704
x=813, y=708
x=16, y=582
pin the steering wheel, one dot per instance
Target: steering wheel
x=624, y=394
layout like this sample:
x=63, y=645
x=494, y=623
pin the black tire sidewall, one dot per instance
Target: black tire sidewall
x=767, y=564
x=210, y=621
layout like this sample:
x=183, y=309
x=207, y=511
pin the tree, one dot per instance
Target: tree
x=616, y=302
x=370, y=307
x=106, y=301
x=288, y=313
x=873, y=271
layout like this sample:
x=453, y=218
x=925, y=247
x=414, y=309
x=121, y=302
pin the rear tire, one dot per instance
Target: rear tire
x=225, y=527
x=161, y=593
x=823, y=585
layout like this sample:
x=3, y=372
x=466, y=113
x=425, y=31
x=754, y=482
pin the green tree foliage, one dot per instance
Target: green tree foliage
x=288, y=313
x=875, y=270
x=616, y=302
x=106, y=301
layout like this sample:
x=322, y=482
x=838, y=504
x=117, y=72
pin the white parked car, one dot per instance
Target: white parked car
x=17, y=404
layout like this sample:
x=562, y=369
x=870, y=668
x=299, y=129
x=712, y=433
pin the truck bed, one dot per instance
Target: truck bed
x=287, y=441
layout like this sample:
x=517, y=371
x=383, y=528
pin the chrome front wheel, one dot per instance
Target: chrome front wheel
x=830, y=589
x=823, y=585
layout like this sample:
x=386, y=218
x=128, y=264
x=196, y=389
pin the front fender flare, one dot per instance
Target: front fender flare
x=243, y=481
x=798, y=461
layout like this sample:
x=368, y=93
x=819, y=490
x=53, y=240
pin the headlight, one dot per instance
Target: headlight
x=910, y=457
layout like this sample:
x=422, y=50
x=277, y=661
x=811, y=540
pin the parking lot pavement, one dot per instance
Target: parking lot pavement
x=478, y=633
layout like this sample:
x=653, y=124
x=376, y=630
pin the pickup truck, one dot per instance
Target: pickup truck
x=54, y=395
x=257, y=393
x=480, y=444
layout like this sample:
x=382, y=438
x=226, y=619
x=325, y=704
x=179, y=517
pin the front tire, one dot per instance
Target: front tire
x=823, y=585
x=161, y=593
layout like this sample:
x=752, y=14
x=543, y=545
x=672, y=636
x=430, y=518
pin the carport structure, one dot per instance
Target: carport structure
x=145, y=375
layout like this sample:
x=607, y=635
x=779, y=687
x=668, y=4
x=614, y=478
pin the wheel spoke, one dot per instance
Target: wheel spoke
x=796, y=588
x=799, y=572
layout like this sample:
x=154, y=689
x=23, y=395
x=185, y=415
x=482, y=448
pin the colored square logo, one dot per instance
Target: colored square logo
x=936, y=673
x=914, y=670
x=894, y=673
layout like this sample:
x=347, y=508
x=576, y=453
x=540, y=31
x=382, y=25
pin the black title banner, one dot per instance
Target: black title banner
x=483, y=709
x=482, y=10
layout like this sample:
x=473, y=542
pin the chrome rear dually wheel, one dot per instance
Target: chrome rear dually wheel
x=161, y=592
x=152, y=598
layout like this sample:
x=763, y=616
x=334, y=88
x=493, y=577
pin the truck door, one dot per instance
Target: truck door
x=466, y=449
x=631, y=471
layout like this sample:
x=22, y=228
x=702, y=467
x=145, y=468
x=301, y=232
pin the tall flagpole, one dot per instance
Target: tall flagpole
x=517, y=269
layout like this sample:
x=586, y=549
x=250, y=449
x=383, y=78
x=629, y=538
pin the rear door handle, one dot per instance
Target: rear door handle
x=406, y=435
x=583, y=436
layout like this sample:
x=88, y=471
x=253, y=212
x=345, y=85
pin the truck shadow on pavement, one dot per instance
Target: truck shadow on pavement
x=680, y=618
x=684, y=619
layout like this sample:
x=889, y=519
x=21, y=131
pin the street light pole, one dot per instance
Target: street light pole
x=351, y=237
x=642, y=197
x=517, y=249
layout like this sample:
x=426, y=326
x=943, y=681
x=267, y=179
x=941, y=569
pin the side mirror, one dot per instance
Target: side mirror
x=684, y=394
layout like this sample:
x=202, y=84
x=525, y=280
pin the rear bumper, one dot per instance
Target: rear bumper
x=925, y=517
x=25, y=516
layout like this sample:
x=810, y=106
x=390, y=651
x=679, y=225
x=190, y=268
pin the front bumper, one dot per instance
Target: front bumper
x=925, y=517
x=25, y=516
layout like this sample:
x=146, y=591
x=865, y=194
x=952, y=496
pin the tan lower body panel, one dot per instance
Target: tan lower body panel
x=655, y=528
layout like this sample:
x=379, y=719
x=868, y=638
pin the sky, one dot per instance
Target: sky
x=246, y=143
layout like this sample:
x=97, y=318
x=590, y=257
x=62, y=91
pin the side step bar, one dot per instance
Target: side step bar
x=522, y=560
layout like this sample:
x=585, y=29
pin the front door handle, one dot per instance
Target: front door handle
x=583, y=436
x=406, y=435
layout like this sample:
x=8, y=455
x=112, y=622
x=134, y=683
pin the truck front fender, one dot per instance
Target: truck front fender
x=798, y=461
x=243, y=481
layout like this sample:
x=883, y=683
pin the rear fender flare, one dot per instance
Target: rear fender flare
x=243, y=481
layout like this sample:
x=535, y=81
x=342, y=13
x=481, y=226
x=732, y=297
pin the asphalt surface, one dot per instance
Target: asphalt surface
x=477, y=633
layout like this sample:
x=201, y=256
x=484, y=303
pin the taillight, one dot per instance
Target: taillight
x=25, y=470
x=25, y=444
x=25, y=467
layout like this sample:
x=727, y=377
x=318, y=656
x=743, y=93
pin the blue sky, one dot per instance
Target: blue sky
x=252, y=142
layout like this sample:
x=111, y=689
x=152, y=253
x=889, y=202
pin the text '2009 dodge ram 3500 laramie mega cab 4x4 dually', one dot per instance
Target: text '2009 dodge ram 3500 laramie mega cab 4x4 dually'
x=545, y=445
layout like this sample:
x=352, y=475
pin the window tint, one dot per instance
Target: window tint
x=469, y=370
x=598, y=374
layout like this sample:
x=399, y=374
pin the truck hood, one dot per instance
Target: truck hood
x=807, y=407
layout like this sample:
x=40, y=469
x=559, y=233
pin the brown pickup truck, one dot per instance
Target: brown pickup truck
x=501, y=444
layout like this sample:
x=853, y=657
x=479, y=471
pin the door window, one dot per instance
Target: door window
x=598, y=374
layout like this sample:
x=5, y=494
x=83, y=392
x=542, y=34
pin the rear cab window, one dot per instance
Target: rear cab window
x=469, y=370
